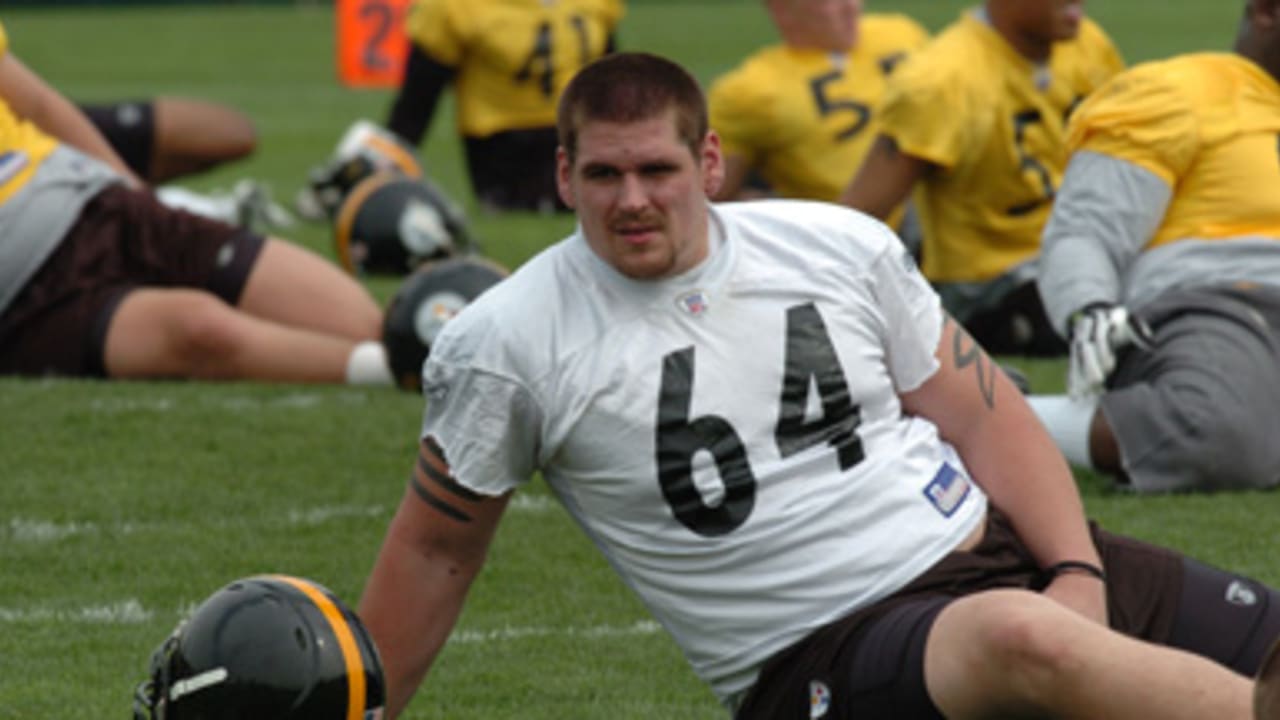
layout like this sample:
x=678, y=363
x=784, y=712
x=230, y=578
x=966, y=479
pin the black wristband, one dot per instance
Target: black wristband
x=1078, y=567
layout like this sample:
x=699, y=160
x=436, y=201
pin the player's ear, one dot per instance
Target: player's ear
x=712, y=164
x=564, y=171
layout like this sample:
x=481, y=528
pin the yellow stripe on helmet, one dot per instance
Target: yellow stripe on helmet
x=356, y=690
x=344, y=225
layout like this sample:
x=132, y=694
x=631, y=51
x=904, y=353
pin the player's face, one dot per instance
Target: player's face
x=830, y=25
x=1052, y=20
x=641, y=195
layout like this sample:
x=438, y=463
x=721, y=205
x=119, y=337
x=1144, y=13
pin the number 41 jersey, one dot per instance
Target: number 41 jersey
x=730, y=438
x=513, y=58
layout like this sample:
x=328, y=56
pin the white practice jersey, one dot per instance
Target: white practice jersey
x=731, y=438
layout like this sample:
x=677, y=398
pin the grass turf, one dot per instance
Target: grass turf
x=124, y=503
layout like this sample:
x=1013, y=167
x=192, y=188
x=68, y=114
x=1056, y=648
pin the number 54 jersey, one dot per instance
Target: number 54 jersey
x=730, y=438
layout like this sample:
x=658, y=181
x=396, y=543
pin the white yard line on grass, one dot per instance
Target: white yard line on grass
x=161, y=404
x=505, y=634
x=37, y=530
x=125, y=612
x=132, y=612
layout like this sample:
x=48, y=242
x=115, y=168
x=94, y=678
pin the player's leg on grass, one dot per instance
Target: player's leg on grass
x=1009, y=653
x=293, y=286
x=1266, y=689
x=191, y=136
x=186, y=333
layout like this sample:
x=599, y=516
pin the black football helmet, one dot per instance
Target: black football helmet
x=389, y=225
x=269, y=647
x=365, y=149
x=426, y=300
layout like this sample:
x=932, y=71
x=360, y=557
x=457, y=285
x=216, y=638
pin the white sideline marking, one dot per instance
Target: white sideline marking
x=301, y=401
x=125, y=612
x=532, y=503
x=36, y=530
x=131, y=612
x=322, y=515
x=482, y=637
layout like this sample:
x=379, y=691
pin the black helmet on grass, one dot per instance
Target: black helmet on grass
x=269, y=647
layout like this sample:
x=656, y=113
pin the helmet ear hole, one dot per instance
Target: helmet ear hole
x=428, y=298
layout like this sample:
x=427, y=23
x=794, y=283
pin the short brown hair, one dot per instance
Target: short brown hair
x=630, y=87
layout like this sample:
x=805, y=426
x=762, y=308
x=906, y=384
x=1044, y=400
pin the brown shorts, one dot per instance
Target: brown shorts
x=130, y=128
x=123, y=239
x=870, y=664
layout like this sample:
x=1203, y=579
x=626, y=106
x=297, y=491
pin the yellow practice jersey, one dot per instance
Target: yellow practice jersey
x=804, y=119
x=994, y=125
x=1207, y=124
x=22, y=146
x=512, y=57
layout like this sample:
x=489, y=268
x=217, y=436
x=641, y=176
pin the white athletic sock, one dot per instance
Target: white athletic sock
x=1067, y=419
x=367, y=365
x=210, y=206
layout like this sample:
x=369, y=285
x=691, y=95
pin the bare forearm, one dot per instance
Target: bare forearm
x=1029, y=480
x=884, y=181
x=410, y=606
x=39, y=103
x=979, y=411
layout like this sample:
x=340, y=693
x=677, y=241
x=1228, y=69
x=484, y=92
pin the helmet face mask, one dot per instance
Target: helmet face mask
x=148, y=700
x=268, y=647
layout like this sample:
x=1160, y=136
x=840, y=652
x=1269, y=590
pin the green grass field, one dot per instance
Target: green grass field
x=124, y=503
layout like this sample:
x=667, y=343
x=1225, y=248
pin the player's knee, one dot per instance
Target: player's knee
x=1026, y=643
x=1220, y=449
x=206, y=335
x=240, y=138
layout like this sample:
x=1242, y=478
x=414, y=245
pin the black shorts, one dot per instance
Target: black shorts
x=123, y=239
x=870, y=664
x=130, y=128
x=515, y=170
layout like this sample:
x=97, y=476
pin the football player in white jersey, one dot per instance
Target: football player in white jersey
x=737, y=403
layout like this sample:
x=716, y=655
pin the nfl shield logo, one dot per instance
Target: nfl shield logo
x=694, y=303
x=819, y=699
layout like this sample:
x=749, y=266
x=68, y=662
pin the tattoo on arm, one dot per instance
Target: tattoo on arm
x=967, y=352
x=435, y=472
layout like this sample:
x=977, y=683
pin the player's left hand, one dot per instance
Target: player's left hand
x=1085, y=594
x=1098, y=334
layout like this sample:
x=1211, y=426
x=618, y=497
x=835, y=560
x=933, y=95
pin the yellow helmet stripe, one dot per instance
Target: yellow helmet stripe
x=356, y=689
x=404, y=161
x=347, y=211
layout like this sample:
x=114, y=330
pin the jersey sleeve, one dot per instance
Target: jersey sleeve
x=739, y=113
x=4, y=41
x=487, y=425
x=612, y=12
x=909, y=113
x=912, y=315
x=1142, y=117
x=907, y=32
x=437, y=29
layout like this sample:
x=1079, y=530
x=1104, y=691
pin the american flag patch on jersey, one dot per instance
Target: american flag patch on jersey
x=11, y=163
x=947, y=490
x=694, y=303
